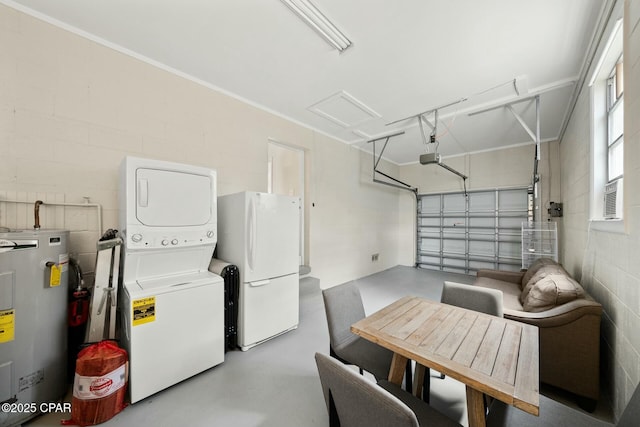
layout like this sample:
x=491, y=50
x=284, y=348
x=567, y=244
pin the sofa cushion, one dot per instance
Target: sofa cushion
x=510, y=291
x=533, y=269
x=550, y=291
x=541, y=273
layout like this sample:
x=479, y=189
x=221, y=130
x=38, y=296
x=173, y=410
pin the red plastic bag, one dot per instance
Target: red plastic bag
x=99, y=385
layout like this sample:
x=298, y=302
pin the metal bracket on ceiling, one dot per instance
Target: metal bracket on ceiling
x=376, y=160
x=434, y=130
x=422, y=119
x=535, y=136
x=424, y=113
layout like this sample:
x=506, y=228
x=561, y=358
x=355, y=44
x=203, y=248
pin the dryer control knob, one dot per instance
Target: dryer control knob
x=136, y=238
x=174, y=242
x=165, y=242
x=210, y=233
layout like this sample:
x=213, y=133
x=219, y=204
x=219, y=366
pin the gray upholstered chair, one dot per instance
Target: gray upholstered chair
x=343, y=307
x=471, y=297
x=554, y=414
x=475, y=298
x=354, y=401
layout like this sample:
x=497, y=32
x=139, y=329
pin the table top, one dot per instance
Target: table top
x=496, y=356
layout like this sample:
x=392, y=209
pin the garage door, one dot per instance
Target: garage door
x=463, y=234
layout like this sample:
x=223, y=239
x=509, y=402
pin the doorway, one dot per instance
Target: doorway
x=285, y=169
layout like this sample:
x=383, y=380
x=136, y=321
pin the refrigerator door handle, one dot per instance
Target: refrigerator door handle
x=251, y=234
x=259, y=283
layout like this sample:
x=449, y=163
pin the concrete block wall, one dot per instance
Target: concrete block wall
x=606, y=262
x=71, y=109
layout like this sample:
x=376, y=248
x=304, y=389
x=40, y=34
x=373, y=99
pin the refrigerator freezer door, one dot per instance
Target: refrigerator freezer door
x=273, y=236
x=267, y=308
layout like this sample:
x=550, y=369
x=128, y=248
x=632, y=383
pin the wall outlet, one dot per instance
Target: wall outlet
x=374, y=257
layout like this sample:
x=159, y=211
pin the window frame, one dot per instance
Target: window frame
x=614, y=102
x=607, y=55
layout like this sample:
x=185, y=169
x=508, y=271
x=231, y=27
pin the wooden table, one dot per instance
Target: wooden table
x=490, y=355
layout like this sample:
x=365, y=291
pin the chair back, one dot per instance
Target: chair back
x=631, y=415
x=357, y=401
x=343, y=307
x=471, y=297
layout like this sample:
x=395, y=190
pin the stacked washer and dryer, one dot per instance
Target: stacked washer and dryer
x=172, y=306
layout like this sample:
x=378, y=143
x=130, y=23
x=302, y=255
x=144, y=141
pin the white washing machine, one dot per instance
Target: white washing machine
x=171, y=330
x=172, y=306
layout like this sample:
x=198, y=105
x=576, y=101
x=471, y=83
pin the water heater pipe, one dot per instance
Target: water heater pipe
x=86, y=204
x=36, y=214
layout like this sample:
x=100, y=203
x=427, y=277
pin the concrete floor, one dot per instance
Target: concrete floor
x=276, y=383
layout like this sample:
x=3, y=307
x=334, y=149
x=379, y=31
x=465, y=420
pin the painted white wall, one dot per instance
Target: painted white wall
x=606, y=261
x=71, y=109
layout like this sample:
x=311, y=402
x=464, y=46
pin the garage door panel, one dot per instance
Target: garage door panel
x=485, y=248
x=430, y=204
x=514, y=222
x=512, y=200
x=453, y=246
x=468, y=233
x=455, y=202
x=429, y=244
x=430, y=222
x=482, y=222
x=481, y=202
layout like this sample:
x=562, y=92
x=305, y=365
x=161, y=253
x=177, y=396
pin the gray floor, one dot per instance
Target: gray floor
x=276, y=383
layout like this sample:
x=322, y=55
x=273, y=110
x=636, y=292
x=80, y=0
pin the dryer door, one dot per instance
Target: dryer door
x=175, y=199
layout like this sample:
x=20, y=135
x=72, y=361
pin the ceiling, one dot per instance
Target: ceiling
x=407, y=57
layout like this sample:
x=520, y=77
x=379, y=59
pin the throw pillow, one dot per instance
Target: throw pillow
x=541, y=273
x=533, y=268
x=553, y=290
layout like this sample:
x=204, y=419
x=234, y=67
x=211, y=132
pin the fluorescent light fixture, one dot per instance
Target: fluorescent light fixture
x=310, y=14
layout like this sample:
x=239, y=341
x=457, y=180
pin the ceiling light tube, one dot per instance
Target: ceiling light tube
x=310, y=14
x=329, y=27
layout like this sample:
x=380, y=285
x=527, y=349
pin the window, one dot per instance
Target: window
x=615, y=123
x=607, y=128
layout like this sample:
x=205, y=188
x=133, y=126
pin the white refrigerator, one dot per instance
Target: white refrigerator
x=260, y=234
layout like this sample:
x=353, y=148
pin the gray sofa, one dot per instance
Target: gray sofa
x=568, y=320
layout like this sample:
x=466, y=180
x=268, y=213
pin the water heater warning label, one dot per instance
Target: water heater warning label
x=144, y=310
x=54, y=278
x=30, y=380
x=7, y=325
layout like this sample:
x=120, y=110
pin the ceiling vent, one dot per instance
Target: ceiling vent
x=343, y=109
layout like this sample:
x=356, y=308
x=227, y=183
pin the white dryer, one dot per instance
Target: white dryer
x=172, y=306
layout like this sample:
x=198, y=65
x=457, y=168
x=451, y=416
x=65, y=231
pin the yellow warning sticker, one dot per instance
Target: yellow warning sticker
x=144, y=310
x=7, y=325
x=54, y=279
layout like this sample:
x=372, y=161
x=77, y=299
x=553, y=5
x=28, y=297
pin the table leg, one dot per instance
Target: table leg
x=396, y=371
x=418, y=380
x=475, y=408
